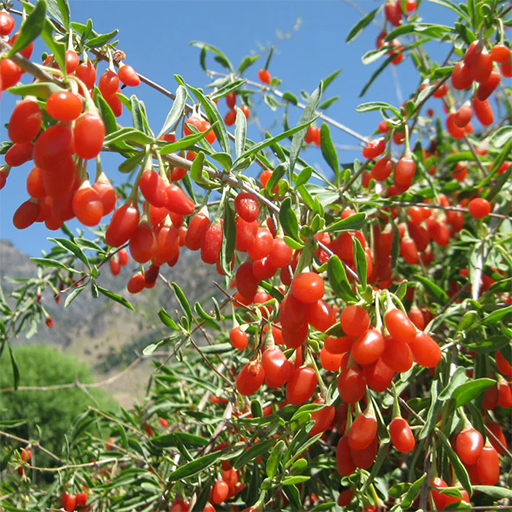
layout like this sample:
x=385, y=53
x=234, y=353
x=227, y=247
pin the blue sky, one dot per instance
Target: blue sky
x=155, y=36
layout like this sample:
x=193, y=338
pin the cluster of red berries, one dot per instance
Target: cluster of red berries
x=58, y=184
x=230, y=116
x=70, y=502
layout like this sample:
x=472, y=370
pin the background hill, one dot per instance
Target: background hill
x=103, y=333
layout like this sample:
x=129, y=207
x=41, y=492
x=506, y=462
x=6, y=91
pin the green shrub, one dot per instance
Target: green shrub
x=52, y=411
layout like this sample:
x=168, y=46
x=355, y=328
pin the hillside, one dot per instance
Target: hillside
x=104, y=333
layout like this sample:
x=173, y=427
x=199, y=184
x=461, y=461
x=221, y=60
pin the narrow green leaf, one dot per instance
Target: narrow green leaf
x=338, y=279
x=471, y=390
x=273, y=459
x=307, y=117
x=246, y=62
x=328, y=80
x=196, y=169
x=221, y=58
x=72, y=248
x=216, y=120
x=72, y=296
x=498, y=493
x=456, y=380
x=15, y=369
x=196, y=466
x=303, y=176
x=362, y=24
x=167, y=320
x=59, y=9
x=228, y=239
x=254, y=451
x=458, y=467
x=131, y=163
x=433, y=289
x=31, y=28
x=375, y=75
x=240, y=132
x=183, y=143
x=39, y=89
x=115, y=297
x=101, y=40
x=328, y=149
x=352, y=223
x=106, y=112
x=182, y=299
x=177, y=109
x=288, y=219
x=360, y=261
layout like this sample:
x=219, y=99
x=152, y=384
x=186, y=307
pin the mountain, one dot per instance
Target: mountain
x=104, y=333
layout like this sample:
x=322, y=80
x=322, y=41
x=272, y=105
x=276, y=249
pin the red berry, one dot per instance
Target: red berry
x=108, y=83
x=87, y=205
x=247, y=206
x=468, y=445
x=425, y=350
x=64, y=106
x=308, y=287
x=6, y=23
x=143, y=243
x=122, y=225
x=488, y=465
x=479, y=208
x=136, y=283
x=25, y=122
x=301, y=385
x=362, y=432
x=220, y=491
x=250, y=378
x=368, y=347
x=128, y=76
x=399, y=326
x=264, y=76
x=72, y=61
x=238, y=338
x=89, y=134
x=26, y=214
x=354, y=320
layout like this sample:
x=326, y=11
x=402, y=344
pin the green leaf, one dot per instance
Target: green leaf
x=184, y=303
x=497, y=493
x=131, y=163
x=273, y=459
x=115, y=297
x=278, y=173
x=130, y=134
x=167, y=320
x=240, y=132
x=177, y=109
x=497, y=315
x=412, y=493
x=59, y=9
x=328, y=149
x=226, y=89
x=338, y=279
x=454, y=7
x=196, y=466
x=31, y=28
x=228, y=239
x=196, y=169
x=327, y=103
x=39, y=89
x=352, y=223
x=421, y=29
x=108, y=116
x=288, y=219
x=470, y=390
x=360, y=261
x=362, y=24
x=458, y=467
x=57, y=48
x=433, y=412
x=216, y=120
x=137, y=113
x=303, y=176
x=456, y=380
x=328, y=80
x=254, y=451
x=183, y=143
x=288, y=96
x=15, y=369
x=246, y=62
x=269, y=142
x=72, y=248
x=101, y=40
x=433, y=289
x=378, y=105
x=292, y=480
x=48, y=262
x=307, y=117
x=501, y=136
x=221, y=58
x=72, y=296
x=375, y=75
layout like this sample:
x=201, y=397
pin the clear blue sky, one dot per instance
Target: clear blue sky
x=156, y=35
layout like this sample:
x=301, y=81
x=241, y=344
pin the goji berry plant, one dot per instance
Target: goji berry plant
x=360, y=356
